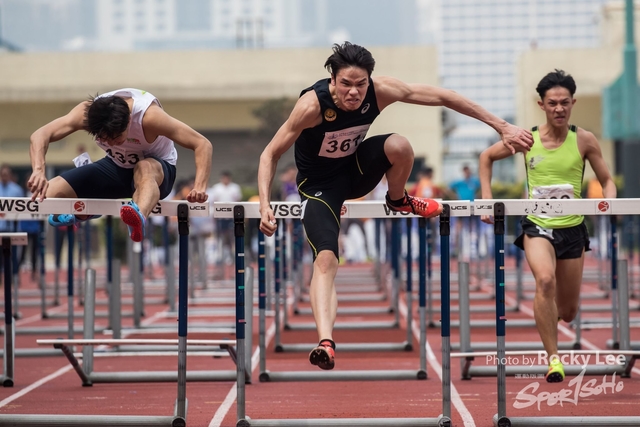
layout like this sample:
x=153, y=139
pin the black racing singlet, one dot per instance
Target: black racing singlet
x=322, y=151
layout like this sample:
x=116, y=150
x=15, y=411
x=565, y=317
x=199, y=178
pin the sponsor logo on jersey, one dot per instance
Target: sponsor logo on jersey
x=365, y=108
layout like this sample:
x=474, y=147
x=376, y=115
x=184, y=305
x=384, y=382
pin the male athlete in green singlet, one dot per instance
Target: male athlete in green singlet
x=554, y=246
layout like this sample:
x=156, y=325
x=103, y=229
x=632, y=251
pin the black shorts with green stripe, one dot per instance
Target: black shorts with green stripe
x=322, y=199
x=569, y=243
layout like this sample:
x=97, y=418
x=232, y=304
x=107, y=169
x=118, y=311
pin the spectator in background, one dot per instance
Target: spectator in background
x=424, y=186
x=467, y=187
x=8, y=188
x=225, y=191
x=594, y=189
x=289, y=188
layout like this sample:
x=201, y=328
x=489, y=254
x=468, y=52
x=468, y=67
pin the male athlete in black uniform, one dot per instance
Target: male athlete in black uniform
x=335, y=162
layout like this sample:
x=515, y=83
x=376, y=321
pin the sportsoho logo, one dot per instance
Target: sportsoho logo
x=577, y=387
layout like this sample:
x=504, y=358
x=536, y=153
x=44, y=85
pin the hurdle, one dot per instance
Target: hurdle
x=266, y=376
x=9, y=240
x=89, y=377
x=499, y=209
x=355, y=209
x=111, y=207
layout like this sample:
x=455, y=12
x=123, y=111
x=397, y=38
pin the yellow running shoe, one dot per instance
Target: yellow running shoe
x=556, y=371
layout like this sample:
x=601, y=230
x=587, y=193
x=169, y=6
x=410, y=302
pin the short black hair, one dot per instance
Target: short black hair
x=349, y=55
x=554, y=79
x=107, y=117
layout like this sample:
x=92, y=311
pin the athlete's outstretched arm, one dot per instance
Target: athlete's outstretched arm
x=593, y=154
x=158, y=122
x=53, y=131
x=305, y=114
x=485, y=171
x=390, y=90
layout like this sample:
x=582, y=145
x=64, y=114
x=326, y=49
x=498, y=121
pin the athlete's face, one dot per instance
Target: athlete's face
x=557, y=104
x=350, y=87
x=119, y=140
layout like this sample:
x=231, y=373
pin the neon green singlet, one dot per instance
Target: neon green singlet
x=555, y=174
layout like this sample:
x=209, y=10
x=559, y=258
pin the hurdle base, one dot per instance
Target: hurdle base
x=305, y=348
x=295, y=376
x=440, y=421
x=569, y=370
x=595, y=421
x=344, y=325
x=160, y=376
x=88, y=420
x=515, y=346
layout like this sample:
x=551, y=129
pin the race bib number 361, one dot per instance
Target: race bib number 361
x=343, y=142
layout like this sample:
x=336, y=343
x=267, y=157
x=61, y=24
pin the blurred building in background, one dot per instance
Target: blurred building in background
x=123, y=25
x=479, y=43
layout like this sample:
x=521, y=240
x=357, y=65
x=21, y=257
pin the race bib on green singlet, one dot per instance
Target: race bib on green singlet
x=559, y=191
x=342, y=143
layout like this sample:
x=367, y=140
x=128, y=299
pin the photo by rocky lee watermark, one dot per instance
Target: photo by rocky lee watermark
x=578, y=386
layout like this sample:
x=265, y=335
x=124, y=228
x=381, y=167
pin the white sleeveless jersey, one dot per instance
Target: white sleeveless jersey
x=136, y=147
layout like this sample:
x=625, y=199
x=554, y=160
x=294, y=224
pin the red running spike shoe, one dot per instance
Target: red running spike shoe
x=427, y=208
x=323, y=356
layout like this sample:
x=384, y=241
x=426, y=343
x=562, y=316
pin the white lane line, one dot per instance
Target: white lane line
x=466, y=416
x=222, y=411
x=35, y=385
x=37, y=317
x=61, y=371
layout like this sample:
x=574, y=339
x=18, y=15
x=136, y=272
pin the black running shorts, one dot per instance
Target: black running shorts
x=322, y=201
x=569, y=243
x=106, y=180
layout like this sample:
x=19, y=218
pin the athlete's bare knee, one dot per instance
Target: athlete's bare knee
x=546, y=285
x=567, y=313
x=398, y=146
x=325, y=262
x=60, y=188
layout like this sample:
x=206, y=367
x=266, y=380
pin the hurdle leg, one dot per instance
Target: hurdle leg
x=9, y=332
x=238, y=219
x=183, y=297
x=465, y=317
x=89, y=320
x=171, y=279
x=422, y=283
x=498, y=214
x=115, y=302
x=80, y=283
x=70, y=271
x=136, y=278
x=41, y=267
x=262, y=301
x=445, y=310
x=614, y=283
x=109, y=241
x=409, y=290
x=277, y=265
